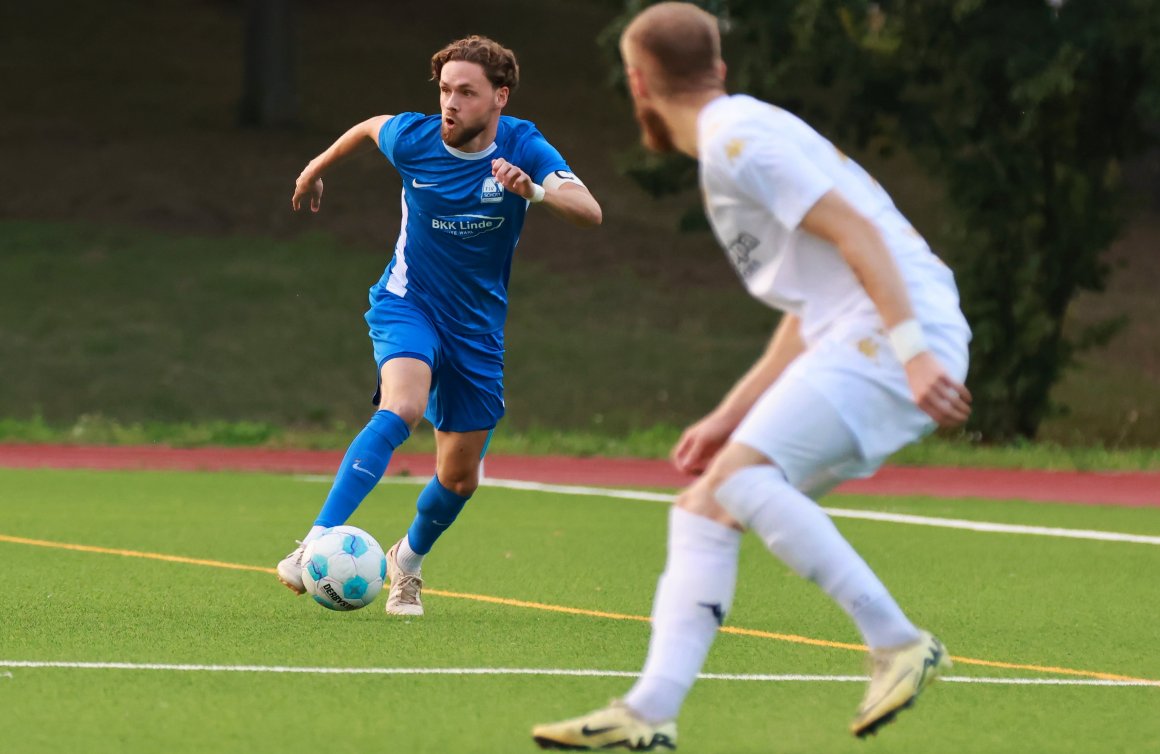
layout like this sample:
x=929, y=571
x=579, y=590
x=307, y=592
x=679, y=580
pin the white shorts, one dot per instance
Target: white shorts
x=843, y=406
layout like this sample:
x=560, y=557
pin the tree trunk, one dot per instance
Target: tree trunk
x=269, y=96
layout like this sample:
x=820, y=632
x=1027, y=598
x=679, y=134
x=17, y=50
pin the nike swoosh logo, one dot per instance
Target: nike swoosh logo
x=586, y=731
x=416, y=184
x=358, y=468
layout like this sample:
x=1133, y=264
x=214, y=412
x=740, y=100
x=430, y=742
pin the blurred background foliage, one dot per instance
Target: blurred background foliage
x=150, y=269
x=1022, y=112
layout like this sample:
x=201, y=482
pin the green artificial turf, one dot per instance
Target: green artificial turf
x=1013, y=598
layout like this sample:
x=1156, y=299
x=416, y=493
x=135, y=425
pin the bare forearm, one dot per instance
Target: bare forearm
x=358, y=138
x=872, y=263
x=860, y=243
x=785, y=346
x=574, y=204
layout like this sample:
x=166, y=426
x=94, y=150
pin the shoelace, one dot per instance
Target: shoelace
x=409, y=587
x=298, y=553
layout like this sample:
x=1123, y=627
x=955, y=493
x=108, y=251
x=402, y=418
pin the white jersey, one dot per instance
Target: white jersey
x=762, y=170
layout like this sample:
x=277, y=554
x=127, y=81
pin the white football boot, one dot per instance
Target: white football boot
x=290, y=570
x=404, y=595
x=615, y=726
x=899, y=676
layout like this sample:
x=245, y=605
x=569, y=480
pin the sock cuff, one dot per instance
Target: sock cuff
x=436, y=486
x=690, y=530
x=737, y=494
x=389, y=426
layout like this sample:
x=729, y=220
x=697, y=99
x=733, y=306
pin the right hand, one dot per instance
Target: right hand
x=943, y=399
x=307, y=185
x=700, y=443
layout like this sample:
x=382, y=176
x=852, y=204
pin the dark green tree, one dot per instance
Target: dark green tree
x=1021, y=110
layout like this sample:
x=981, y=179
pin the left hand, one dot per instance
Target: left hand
x=943, y=399
x=511, y=177
x=308, y=187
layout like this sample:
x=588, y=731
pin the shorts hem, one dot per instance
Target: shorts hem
x=406, y=355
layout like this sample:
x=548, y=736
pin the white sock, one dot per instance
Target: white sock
x=313, y=533
x=408, y=560
x=693, y=596
x=799, y=532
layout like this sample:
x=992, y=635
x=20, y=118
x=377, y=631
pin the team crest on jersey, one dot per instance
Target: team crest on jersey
x=466, y=226
x=492, y=191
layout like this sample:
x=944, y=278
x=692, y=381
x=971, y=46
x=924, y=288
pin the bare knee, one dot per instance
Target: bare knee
x=410, y=411
x=700, y=499
x=462, y=480
x=404, y=384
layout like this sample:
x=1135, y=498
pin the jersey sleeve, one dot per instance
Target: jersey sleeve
x=539, y=159
x=777, y=175
x=393, y=136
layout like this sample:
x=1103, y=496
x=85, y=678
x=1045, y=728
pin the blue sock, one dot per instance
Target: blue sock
x=437, y=509
x=363, y=466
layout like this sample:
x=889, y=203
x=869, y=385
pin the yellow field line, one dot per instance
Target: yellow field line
x=133, y=554
x=791, y=638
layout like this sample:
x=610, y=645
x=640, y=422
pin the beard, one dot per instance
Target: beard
x=654, y=132
x=461, y=134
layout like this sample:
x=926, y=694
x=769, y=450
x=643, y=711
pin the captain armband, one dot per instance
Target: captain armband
x=553, y=181
x=558, y=178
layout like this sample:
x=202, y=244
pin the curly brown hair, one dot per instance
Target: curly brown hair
x=498, y=62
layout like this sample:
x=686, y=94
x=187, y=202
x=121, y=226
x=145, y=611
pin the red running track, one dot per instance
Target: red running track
x=1135, y=489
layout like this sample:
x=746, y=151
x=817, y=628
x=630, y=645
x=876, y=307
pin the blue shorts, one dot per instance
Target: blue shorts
x=466, y=370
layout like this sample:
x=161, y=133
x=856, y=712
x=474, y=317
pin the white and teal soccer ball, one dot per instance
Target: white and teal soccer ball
x=344, y=568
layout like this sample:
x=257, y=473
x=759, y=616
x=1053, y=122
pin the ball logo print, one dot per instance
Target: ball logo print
x=344, y=568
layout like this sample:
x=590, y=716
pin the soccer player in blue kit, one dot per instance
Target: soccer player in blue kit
x=437, y=314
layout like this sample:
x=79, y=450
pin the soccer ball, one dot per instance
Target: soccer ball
x=345, y=568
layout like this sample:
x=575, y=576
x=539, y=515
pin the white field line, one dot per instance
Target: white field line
x=893, y=518
x=788, y=678
x=768, y=678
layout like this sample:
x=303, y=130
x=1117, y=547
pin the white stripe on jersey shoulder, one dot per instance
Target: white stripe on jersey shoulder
x=558, y=178
x=468, y=155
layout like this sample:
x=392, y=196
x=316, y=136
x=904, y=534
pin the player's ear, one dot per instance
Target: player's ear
x=501, y=97
x=636, y=82
x=721, y=70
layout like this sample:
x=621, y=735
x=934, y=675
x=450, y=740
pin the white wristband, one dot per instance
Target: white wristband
x=907, y=340
x=537, y=193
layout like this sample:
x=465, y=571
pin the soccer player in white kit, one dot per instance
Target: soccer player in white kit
x=869, y=356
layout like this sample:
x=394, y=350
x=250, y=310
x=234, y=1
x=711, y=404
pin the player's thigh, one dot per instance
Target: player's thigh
x=404, y=383
x=797, y=427
x=855, y=371
x=467, y=393
x=407, y=351
x=457, y=459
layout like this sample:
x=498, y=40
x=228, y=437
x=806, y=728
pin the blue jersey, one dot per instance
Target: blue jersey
x=460, y=227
